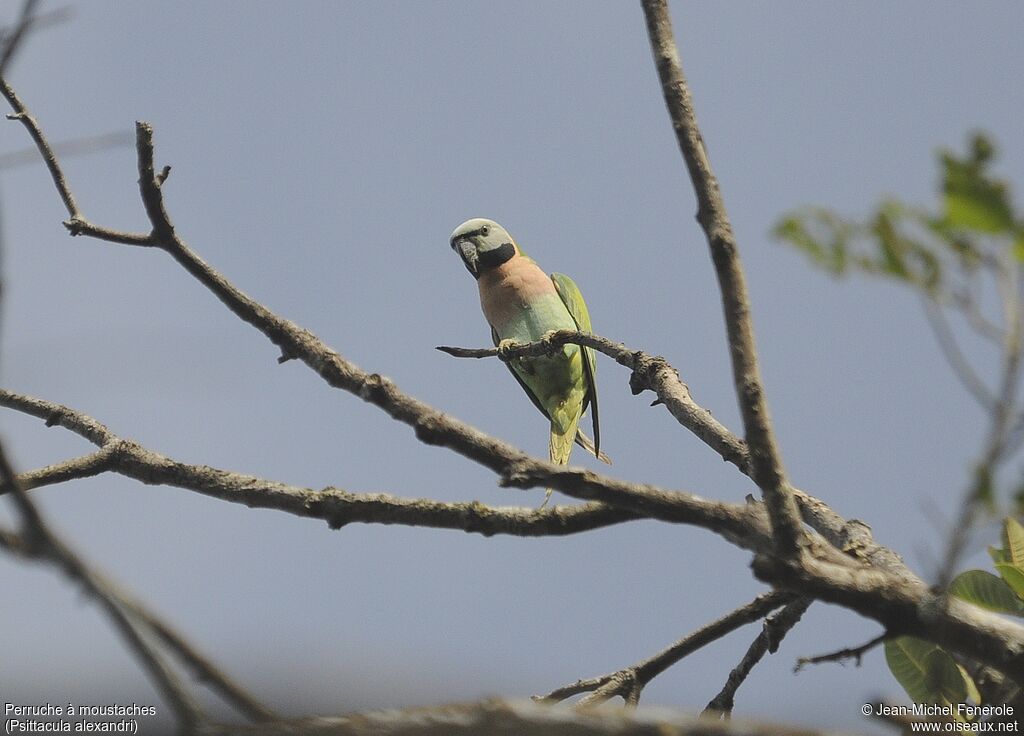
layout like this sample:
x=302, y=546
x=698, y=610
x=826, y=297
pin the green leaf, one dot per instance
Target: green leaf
x=983, y=489
x=1013, y=541
x=925, y=671
x=943, y=677
x=998, y=555
x=1014, y=577
x=974, y=200
x=891, y=248
x=898, y=255
x=1018, y=245
x=972, y=689
x=906, y=659
x=987, y=591
x=820, y=235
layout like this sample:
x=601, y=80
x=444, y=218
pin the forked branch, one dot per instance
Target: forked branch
x=629, y=682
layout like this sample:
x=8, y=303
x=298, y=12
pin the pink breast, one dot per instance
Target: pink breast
x=510, y=288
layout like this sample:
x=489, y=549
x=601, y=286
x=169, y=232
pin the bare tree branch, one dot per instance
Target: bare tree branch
x=766, y=463
x=334, y=505
x=648, y=373
x=22, y=115
x=629, y=682
x=843, y=655
x=655, y=373
x=954, y=356
x=903, y=606
x=773, y=631
x=84, y=466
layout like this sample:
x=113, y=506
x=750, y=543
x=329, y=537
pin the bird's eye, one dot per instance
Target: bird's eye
x=485, y=230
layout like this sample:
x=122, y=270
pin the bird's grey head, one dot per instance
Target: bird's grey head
x=482, y=245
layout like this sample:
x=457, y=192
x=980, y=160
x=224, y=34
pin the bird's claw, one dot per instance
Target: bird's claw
x=504, y=347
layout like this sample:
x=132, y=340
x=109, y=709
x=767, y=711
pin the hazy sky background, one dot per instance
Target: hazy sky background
x=322, y=153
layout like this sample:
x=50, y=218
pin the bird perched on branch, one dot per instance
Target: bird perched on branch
x=522, y=304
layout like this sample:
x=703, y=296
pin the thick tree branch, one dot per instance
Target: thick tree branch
x=655, y=373
x=903, y=606
x=629, y=682
x=772, y=633
x=334, y=505
x=765, y=461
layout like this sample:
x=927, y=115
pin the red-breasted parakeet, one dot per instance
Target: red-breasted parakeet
x=521, y=304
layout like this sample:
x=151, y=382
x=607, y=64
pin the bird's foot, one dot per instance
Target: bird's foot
x=547, y=497
x=546, y=339
x=504, y=347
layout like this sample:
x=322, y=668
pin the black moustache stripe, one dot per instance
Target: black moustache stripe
x=496, y=256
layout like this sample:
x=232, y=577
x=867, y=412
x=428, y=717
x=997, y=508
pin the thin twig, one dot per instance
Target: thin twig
x=629, y=682
x=1003, y=412
x=766, y=463
x=22, y=115
x=954, y=355
x=84, y=466
x=772, y=633
x=967, y=304
x=12, y=39
x=842, y=655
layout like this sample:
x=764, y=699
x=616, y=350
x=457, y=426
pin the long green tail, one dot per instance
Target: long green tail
x=560, y=444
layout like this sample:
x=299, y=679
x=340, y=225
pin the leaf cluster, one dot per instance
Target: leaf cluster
x=930, y=250
x=930, y=674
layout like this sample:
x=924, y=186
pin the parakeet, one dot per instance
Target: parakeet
x=521, y=304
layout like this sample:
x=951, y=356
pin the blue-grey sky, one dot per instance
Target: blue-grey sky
x=322, y=153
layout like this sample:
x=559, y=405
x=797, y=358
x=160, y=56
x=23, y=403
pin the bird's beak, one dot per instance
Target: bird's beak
x=469, y=255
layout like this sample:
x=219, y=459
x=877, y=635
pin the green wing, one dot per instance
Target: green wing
x=534, y=399
x=573, y=301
